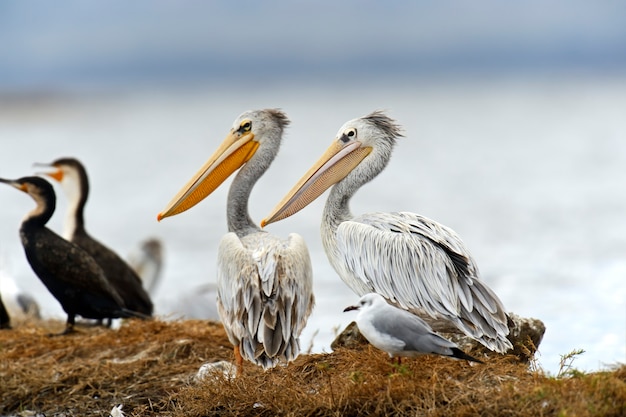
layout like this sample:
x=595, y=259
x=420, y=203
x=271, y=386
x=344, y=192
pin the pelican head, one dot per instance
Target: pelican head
x=249, y=131
x=359, y=152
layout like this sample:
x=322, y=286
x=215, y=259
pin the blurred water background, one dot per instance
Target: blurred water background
x=515, y=119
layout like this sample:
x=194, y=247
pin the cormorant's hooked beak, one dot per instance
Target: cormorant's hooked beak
x=234, y=151
x=337, y=162
x=15, y=184
x=350, y=308
x=57, y=175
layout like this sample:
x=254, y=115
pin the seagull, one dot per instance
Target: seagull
x=413, y=261
x=400, y=333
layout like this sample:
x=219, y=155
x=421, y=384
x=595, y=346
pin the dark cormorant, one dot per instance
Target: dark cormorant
x=73, y=178
x=5, y=320
x=70, y=274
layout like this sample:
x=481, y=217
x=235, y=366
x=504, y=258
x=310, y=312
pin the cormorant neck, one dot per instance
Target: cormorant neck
x=40, y=215
x=74, y=220
x=77, y=191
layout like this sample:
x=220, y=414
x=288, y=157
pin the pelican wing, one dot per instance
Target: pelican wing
x=265, y=294
x=418, y=263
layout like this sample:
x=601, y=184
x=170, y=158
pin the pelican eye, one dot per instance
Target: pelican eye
x=348, y=135
x=245, y=126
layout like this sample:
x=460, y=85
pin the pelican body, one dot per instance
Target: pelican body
x=264, y=293
x=70, y=274
x=414, y=262
x=73, y=178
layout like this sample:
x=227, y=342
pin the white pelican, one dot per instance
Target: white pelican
x=265, y=291
x=411, y=260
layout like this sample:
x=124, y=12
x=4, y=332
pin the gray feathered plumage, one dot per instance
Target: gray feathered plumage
x=400, y=333
x=265, y=290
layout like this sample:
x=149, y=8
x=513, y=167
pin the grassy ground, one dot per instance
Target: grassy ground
x=149, y=367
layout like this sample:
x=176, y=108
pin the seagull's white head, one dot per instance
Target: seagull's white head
x=367, y=301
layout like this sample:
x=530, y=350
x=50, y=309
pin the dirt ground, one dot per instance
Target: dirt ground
x=150, y=367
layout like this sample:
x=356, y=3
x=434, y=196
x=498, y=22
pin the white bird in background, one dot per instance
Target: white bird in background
x=415, y=262
x=198, y=302
x=265, y=290
x=400, y=333
x=147, y=262
x=19, y=304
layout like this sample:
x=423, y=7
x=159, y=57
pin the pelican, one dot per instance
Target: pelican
x=264, y=293
x=72, y=175
x=414, y=262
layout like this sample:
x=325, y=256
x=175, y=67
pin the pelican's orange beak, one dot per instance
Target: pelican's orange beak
x=337, y=162
x=233, y=152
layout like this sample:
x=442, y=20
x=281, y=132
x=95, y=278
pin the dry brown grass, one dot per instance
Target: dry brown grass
x=149, y=367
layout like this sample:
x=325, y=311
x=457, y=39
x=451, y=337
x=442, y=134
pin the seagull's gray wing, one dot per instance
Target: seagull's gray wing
x=414, y=332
